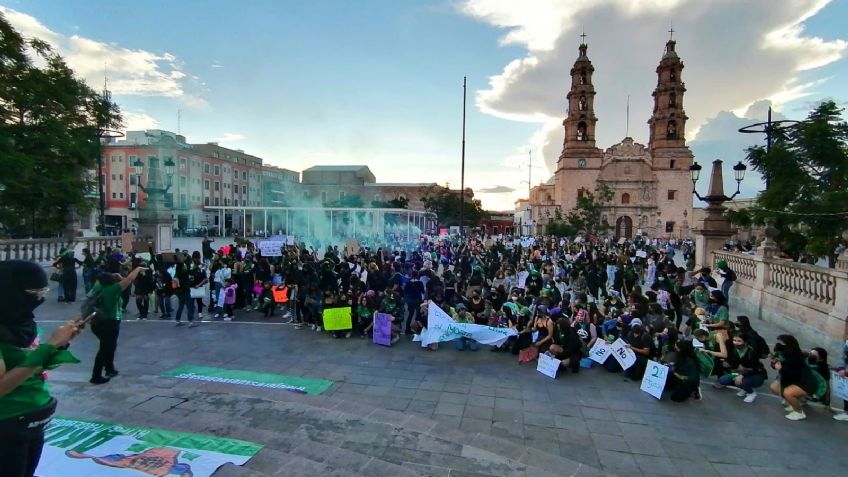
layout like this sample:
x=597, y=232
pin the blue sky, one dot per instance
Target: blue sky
x=380, y=82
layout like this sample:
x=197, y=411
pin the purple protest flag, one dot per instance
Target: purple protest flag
x=383, y=329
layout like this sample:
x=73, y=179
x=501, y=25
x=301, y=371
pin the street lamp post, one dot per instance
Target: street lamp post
x=155, y=222
x=715, y=229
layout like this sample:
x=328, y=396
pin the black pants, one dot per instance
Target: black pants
x=142, y=302
x=107, y=332
x=69, y=284
x=21, y=442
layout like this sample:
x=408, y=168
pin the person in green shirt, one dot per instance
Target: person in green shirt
x=107, y=293
x=26, y=405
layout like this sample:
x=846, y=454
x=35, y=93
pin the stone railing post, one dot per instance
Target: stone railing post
x=837, y=323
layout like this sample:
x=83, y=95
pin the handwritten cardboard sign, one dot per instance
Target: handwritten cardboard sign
x=624, y=355
x=548, y=365
x=383, y=329
x=654, y=380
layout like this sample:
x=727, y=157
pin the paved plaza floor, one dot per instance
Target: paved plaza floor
x=406, y=411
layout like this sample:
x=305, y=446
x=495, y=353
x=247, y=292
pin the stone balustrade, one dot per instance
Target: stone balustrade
x=46, y=250
x=810, y=302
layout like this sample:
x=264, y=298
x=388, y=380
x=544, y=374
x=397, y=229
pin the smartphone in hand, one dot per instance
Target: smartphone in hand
x=84, y=321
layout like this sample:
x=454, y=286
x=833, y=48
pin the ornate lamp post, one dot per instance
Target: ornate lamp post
x=155, y=222
x=715, y=229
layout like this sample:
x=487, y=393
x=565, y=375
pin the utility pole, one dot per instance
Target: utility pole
x=529, y=173
x=462, y=180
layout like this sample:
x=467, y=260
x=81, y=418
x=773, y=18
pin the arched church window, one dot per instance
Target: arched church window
x=672, y=100
x=581, y=104
x=671, y=130
x=581, y=131
x=582, y=77
x=625, y=198
x=672, y=75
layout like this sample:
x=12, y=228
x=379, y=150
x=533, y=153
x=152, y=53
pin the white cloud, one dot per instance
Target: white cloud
x=229, y=137
x=130, y=72
x=735, y=53
x=138, y=121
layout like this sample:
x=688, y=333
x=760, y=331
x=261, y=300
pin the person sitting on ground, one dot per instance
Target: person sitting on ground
x=684, y=381
x=566, y=345
x=640, y=341
x=543, y=329
x=719, y=313
x=463, y=316
x=746, y=372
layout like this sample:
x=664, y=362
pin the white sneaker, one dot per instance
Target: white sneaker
x=796, y=416
x=228, y=318
x=318, y=329
x=749, y=398
x=200, y=315
x=842, y=416
x=312, y=327
x=217, y=315
x=247, y=308
x=742, y=393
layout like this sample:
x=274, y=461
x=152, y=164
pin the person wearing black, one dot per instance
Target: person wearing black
x=642, y=344
x=143, y=286
x=684, y=382
x=796, y=380
x=26, y=406
x=207, y=249
x=567, y=345
x=68, y=264
x=413, y=296
x=183, y=281
x=743, y=368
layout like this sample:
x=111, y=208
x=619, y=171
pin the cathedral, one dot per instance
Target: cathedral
x=652, y=186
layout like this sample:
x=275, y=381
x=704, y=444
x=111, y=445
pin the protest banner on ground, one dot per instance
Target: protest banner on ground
x=840, y=387
x=299, y=384
x=441, y=327
x=600, y=351
x=337, y=319
x=77, y=448
x=654, y=380
x=383, y=329
x=548, y=365
x=272, y=248
x=624, y=355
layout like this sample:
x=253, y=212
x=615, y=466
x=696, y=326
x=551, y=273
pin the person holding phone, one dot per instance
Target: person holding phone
x=110, y=287
x=26, y=405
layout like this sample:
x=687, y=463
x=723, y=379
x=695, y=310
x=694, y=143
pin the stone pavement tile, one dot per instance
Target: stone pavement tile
x=437, y=445
x=584, y=453
x=571, y=423
x=446, y=420
x=659, y=466
x=421, y=407
x=549, y=462
x=505, y=392
x=482, y=390
x=612, y=443
x=383, y=468
x=506, y=448
x=432, y=385
x=732, y=470
x=383, y=381
x=595, y=413
x=508, y=415
x=483, y=401
x=478, y=412
x=630, y=417
x=617, y=461
x=449, y=409
x=378, y=391
x=471, y=424
x=698, y=468
x=510, y=430
x=403, y=393
x=775, y=472
x=460, y=387
x=685, y=451
x=359, y=379
x=540, y=433
x=508, y=403
x=646, y=446
x=638, y=430
x=418, y=424
x=426, y=395
x=538, y=419
x=538, y=405
x=453, y=398
x=158, y=404
x=603, y=427
x=424, y=470
x=535, y=394
x=407, y=383
x=396, y=404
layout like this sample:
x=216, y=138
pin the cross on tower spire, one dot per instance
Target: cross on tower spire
x=583, y=37
x=670, y=31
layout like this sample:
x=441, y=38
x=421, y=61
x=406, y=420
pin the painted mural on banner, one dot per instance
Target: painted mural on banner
x=442, y=327
x=77, y=448
x=383, y=329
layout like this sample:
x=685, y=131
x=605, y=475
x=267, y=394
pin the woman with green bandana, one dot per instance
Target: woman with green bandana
x=26, y=405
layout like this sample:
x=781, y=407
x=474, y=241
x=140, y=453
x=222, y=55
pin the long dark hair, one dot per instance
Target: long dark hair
x=790, y=345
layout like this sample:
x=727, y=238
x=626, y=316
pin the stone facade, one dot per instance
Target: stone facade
x=651, y=184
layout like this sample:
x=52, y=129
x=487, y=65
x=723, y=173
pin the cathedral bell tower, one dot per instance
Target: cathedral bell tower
x=579, y=149
x=668, y=121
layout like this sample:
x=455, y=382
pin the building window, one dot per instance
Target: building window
x=183, y=201
x=672, y=100
x=235, y=202
x=206, y=168
x=113, y=177
x=625, y=198
x=205, y=185
x=132, y=159
x=183, y=163
x=671, y=130
x=669, y=227
x=244, y=189
x=581, y=131
x=672, y=194
x=217, y=201
x=323, y=196
x=120, y=195
x=206, y=201
x=120, y=177
x=581, y=192
x=114, y=195
x=132, y=199
x=341, y=195
x=244, y=175
x=671, y=164
x=183, y=181
x=217, y=170
x=133, y=179
x=217, y=186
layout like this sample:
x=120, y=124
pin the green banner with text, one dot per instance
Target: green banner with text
x=296, y=384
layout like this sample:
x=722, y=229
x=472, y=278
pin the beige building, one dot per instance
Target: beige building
x=651, y=184
x=328, y=184
x=543, y=206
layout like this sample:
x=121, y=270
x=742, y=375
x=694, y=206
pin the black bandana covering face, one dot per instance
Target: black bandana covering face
x=17, y=322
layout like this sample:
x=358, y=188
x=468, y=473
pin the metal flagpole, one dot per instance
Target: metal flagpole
x=462, y=180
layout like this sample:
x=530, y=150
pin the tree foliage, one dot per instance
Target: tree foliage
x=396, y=203
x=445, y=204
x=806, y=175
x=352, y=201
x=585, y=217
x=50, y=122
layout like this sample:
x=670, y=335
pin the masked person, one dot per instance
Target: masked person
x=26, y=405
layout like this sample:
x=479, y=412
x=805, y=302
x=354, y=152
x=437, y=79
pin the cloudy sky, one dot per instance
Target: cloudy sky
x=379, y=82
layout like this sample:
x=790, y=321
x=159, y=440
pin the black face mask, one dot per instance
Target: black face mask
x=17, y=323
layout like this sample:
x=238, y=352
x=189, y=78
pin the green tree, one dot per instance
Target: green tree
x=587, y=213
x=396, y=203
x=352, y=201
x=50, y=122
x=445, y=204
x=806, y=175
